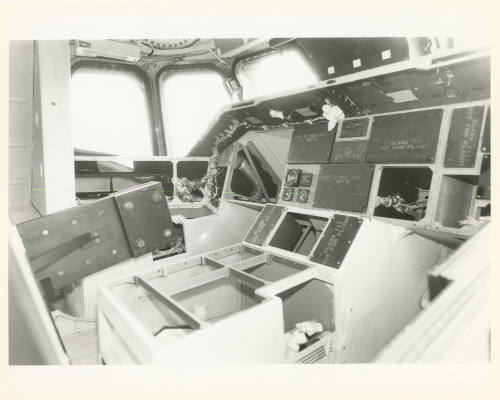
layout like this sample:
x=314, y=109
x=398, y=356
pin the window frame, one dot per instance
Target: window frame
x=162, y=73
x=237, y=69
x=141, y=75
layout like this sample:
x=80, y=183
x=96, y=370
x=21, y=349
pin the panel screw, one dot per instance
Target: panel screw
x=140, y=243
x=156, y=197
x=60, y=273
x=45, y=232
x=167, y=232
x=88, y=262
x=101, y=213
x=74, y=222
x=97, y=240
x=114, y=251
x=128, y=206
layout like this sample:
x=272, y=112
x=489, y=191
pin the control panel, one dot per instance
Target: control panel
x=428, y=168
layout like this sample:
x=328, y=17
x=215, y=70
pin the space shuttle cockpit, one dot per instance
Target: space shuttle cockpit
x=251, y=201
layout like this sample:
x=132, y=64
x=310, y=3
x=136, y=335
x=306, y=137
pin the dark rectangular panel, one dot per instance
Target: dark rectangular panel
x=265, y=222
x=146, y=218
x=46, y=234
x=311, y=144
x=344, y=187
x=349, y=152
x=465, y=129
x=405, y=138
x=353, y=128
x=336, y=241
x=340, y=53
x=118, y=232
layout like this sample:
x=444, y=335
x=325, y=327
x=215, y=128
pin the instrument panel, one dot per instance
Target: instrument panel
x=428, y=167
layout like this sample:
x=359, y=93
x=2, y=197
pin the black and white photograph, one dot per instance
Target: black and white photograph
x=272, y=200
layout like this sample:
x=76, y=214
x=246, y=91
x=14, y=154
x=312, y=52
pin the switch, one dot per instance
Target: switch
x=302, y=195
x=288, y=194
x=306, y=179
x=292, y=177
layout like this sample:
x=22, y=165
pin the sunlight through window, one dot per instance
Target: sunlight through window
x=109, y=113
x=273, y=73
x=190, y=100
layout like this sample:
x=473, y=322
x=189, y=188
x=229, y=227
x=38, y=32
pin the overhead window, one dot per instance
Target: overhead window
x=190, y=100
x=109, y=112
x=274, y=72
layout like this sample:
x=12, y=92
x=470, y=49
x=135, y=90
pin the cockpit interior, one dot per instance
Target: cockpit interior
x=278, y=200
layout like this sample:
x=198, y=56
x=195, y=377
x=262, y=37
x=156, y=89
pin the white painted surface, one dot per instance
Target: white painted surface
x=253, y=335
x=89, y=284
x=53, y=177
x=30, y=313
x=228, y=227
x=455, y=327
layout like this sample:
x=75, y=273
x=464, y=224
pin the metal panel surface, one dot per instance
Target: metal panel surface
x=344, y=187
x=463, y=139
x=311, y=144
x=349, y=152
x=405, y=138
x=265, y=222
x=336, y=240
x=46, y=234
x=146, y=218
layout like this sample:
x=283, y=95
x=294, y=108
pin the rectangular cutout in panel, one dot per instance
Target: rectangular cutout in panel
x=405, y=138
x=163, y=170
x=411, y=184
x=454, y=199
x=218, y=299
x=353, y=128
x=463, y=139
x=298, y=233
x=336, y=240
x=349, y=152
x=311, y=144
x=264, y=224
x=306, y=302
x=344, y=187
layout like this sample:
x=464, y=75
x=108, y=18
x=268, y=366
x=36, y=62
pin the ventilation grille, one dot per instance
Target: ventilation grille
x=354, y=128
x=314, y=356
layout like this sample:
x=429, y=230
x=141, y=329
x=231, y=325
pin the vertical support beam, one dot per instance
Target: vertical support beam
x=20, y=114
x=53, y=177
